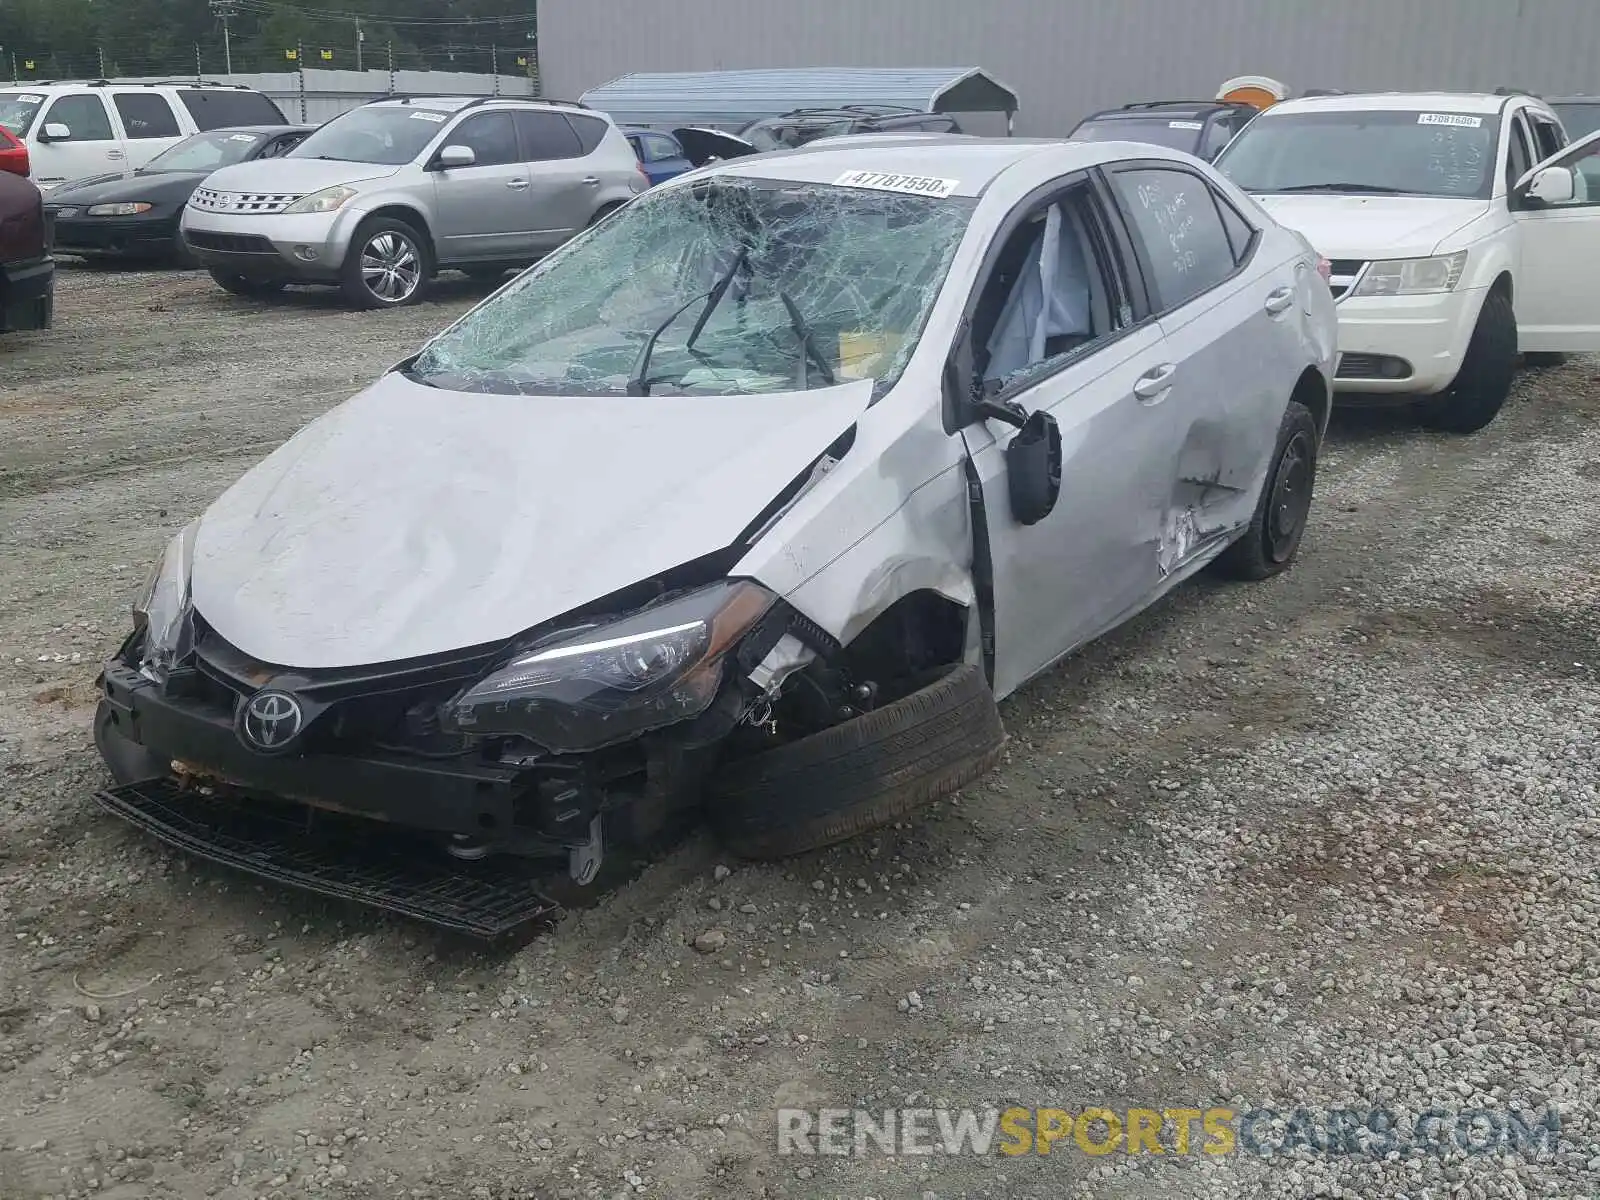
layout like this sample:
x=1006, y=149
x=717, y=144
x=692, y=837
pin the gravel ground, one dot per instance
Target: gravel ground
x=1327, y=842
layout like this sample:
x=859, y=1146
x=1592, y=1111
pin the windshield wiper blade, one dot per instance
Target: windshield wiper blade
x=808, y=344
x=638, y=383
x=1373, y=188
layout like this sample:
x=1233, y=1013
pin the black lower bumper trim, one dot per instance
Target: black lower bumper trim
x=483, y=899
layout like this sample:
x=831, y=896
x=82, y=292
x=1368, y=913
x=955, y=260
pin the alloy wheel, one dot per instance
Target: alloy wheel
x=391, y=267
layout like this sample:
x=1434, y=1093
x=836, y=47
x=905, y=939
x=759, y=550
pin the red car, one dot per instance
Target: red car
x=27, y=271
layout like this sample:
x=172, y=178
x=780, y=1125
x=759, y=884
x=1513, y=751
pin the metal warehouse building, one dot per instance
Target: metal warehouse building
x=1068, y=57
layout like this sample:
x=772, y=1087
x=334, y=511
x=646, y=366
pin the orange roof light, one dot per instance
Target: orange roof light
x=1257, y=90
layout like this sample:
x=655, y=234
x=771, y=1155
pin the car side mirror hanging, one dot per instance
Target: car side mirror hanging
x=1553, y=185
x=1033, y=468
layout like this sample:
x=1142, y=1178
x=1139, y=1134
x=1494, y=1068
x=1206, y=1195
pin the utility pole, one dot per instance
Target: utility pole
x=226, y=10
x=360, y=37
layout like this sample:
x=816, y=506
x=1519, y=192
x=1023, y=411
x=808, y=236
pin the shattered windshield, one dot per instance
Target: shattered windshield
x=779, y=133
x=723, y=286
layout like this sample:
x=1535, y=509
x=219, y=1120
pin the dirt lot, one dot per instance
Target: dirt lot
x=1331, y=841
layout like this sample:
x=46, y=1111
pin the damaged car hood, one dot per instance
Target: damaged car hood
x=296, y=176
x=413, y=521
x=1369, y=227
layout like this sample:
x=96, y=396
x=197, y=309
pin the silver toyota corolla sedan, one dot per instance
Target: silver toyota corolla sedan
x=750, y=503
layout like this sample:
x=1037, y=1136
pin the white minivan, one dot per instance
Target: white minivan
x=77, y=130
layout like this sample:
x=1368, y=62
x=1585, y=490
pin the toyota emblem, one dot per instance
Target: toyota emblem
x=270, y=721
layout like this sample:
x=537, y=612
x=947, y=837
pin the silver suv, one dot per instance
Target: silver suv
x=382, y=197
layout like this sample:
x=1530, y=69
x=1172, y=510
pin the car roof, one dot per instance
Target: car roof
x=1164, y=108
x=972, y=162
x=1462, y=102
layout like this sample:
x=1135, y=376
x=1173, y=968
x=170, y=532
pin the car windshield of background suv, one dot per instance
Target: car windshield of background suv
x=1154, y=131
x=390, y=134
x=724, y=287
x=18, y=110
x=1366, y=152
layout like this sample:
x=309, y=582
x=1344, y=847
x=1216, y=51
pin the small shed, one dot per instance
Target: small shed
x=735, y=98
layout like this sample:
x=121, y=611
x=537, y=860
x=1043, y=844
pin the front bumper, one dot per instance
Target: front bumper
x=117, y=237
x=271, y=246
x=27, y=294
x=1395, y=347
x=143, y=734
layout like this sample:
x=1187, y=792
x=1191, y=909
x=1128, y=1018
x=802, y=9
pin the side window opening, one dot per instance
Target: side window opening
x=1051, y=296
x=590, y=130
x=146, y=115
x=1241, y=234
x=492, y=138
x=85, y=116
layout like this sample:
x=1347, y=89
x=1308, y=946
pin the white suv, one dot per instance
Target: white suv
x=1459, y=229
x=78, y=130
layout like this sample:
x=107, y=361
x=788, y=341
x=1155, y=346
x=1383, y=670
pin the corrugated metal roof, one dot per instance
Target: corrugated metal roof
x=725, y=97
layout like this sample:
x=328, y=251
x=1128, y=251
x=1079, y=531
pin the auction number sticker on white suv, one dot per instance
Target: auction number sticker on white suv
x=888, y=181
x=1460, y=119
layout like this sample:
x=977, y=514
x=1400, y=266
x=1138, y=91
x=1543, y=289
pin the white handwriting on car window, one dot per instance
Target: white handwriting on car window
x=1173, y=219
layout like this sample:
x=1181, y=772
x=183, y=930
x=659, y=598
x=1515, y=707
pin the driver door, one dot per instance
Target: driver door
x=1558, y=286
x=483, y=211
x=1096, y=364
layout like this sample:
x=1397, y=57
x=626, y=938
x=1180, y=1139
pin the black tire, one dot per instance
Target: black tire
x=485, y=275
x=1543, y=358
x=244, y=285
x=862, y=774
x=1270, y=544
x=1481, y=386
x=603, y=212
x=389, y=265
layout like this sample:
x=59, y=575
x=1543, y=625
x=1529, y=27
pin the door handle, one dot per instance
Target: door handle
x=1278, y=300
x=590, y=181
x=1155, y=383
x=115, y=154
x=516, y=185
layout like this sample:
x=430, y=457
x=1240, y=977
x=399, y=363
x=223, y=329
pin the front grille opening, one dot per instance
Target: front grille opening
x=228, y=243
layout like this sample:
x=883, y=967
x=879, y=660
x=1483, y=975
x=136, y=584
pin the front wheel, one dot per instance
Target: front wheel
x=862, y=774
x=1481, y=386
x=1270, y=543
x=388, y=266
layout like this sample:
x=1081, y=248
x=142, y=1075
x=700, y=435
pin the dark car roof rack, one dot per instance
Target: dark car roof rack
x=190, y=82
x=1144, y=104
x=1517, y=91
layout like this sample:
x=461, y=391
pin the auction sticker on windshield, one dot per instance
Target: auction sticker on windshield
x=436, y=118
x=29, y=98
x=888, y=181
x=1461, y=119
x=1185, y=125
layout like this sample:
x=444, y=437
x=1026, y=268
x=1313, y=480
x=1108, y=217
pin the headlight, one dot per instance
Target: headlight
x=118, y=210
x=591, y=687
x=1413, y=276
x=324, y=201
x=163, y=609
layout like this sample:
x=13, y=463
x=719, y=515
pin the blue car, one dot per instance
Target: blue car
x=659, y=154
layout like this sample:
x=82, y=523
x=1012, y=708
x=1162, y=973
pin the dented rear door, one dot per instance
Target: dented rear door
x=1227, y=310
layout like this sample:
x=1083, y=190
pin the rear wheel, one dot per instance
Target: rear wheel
x=602, y=213
x=484, y=275
x=245, y=285
x=388, y=265
x=1481, y=386
x=1273, y=539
